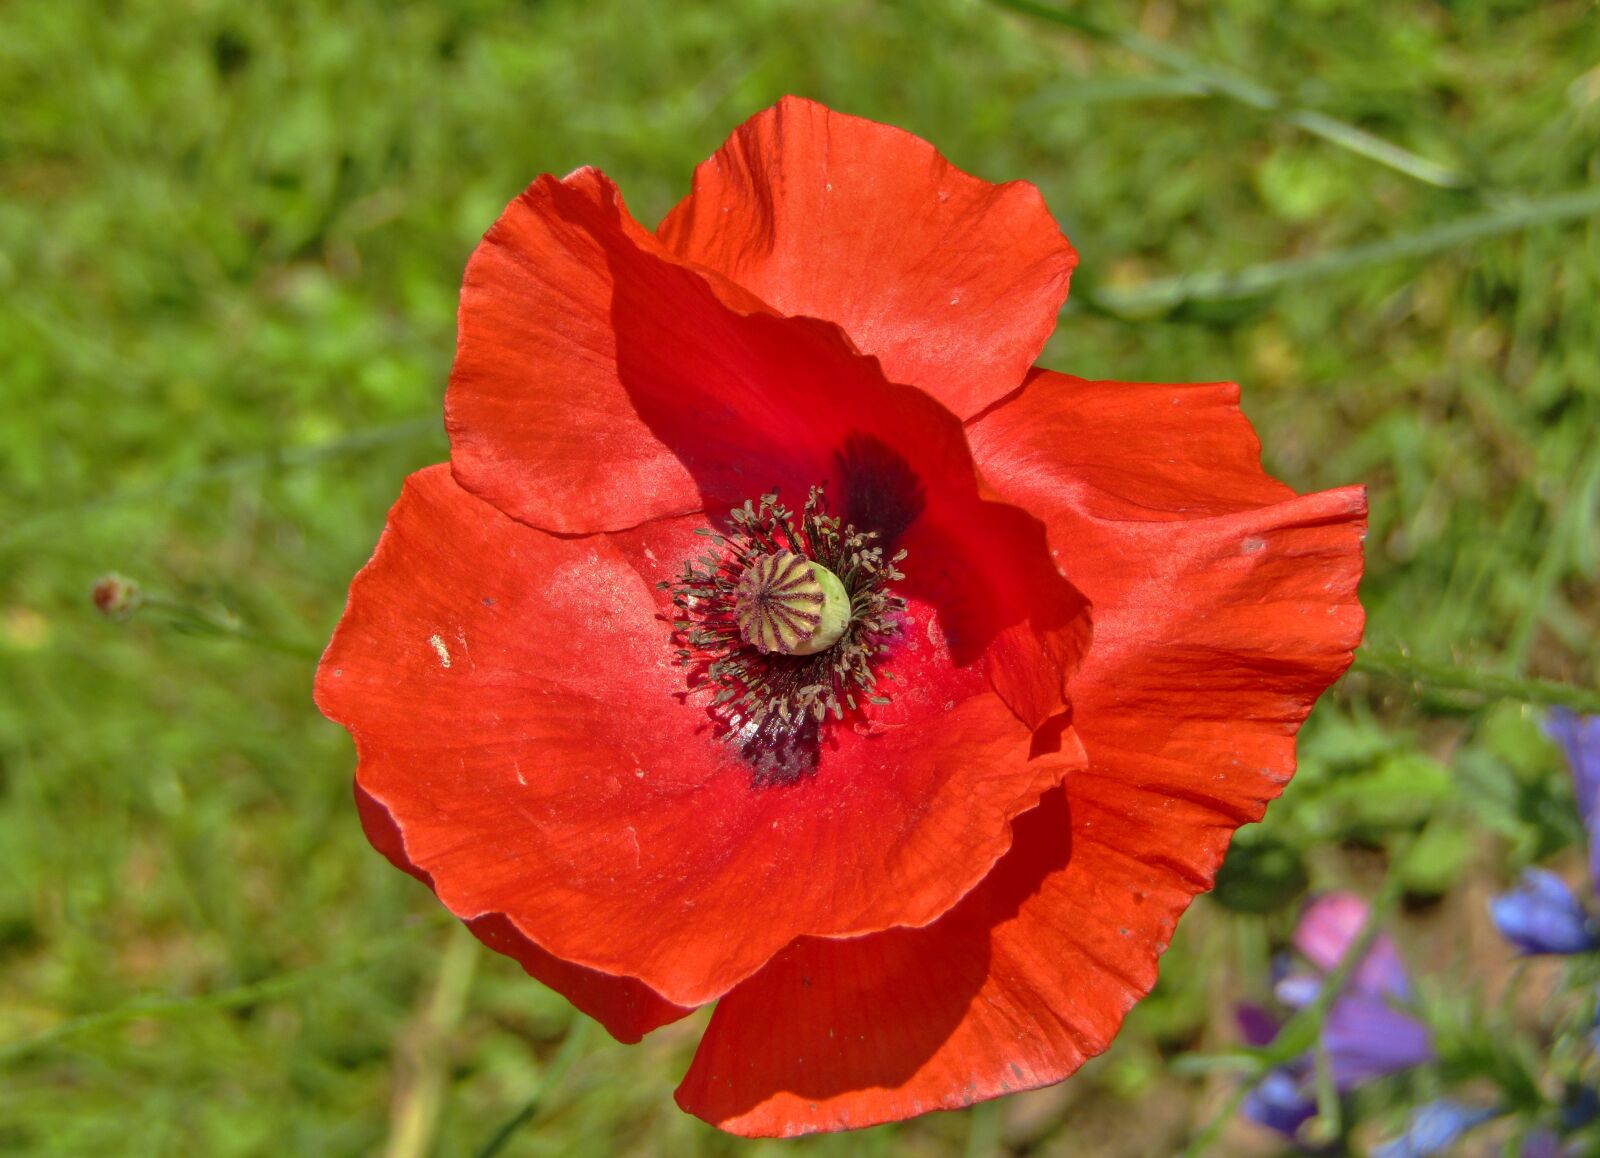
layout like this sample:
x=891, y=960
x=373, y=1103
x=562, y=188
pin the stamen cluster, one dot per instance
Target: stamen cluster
x=773, y=704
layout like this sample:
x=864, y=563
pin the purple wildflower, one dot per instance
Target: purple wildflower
x=1541, y=1143
x=1327, y=929
x=1365, y=1038
x=1579, y=738
x=1364, y=1035
x=1281, y=1101
x=1542, y=915
x=1433, y=1127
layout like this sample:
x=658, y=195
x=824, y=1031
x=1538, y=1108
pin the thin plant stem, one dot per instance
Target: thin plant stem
x=1167, y=293
x=571, y=1050
x=1433, y=676
x=1202, y=1142
x=160, y=1008
x=424, y=1054
x=1328, y=1110
x=220, y=624
x=246, y=464
x=1226, y=83
x=983, y=1130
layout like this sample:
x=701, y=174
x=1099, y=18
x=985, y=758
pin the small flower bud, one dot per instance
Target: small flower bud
x=116, y=597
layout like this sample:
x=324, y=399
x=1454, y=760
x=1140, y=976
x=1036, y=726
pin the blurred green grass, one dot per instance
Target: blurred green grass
x=231, y=238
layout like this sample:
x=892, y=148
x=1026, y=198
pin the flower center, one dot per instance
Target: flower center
x=783, y=623
x=787, y=603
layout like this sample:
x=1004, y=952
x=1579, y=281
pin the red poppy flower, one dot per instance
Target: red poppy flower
x=913, y=766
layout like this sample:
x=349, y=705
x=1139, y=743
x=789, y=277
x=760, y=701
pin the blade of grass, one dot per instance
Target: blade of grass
x=1226, y=83
x=424, y=1060
x=290, y=458
x=267, y=989
x=218, y=623
x=1097, y=89
x=983, y=1130
x=162, y=1007
x=571, y=1050
x=1572, y=522
x=1227, y=285
x=1374, y=148
x=1212, y=1130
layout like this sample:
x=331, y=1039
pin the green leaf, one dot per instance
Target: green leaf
x=1261, y=875
x=1437, y=859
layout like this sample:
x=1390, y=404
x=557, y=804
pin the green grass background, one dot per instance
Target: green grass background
x=231, y=238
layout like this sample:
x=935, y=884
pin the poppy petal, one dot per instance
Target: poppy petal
x=741, y=403
x=1015, y=988
x=984, y=568
x=953, y=283
x=540, y=423
x=627, y=1008
x=1224, y=605
x=518, y=714
x=1223, y=608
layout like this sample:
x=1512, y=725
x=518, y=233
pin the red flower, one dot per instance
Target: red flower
x=929, y=861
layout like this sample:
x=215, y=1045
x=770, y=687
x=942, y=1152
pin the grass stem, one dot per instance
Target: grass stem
x=1226, y=83
x=1161, y=294
x=576, y=1043
x=423, y=1064
x=1434, y=676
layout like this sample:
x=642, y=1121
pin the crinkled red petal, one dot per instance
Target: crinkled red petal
x=626, y=1007
x=517, y=712
x=952, y=282
x=1223, y=607
x=540, y=421
x=740, y=403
